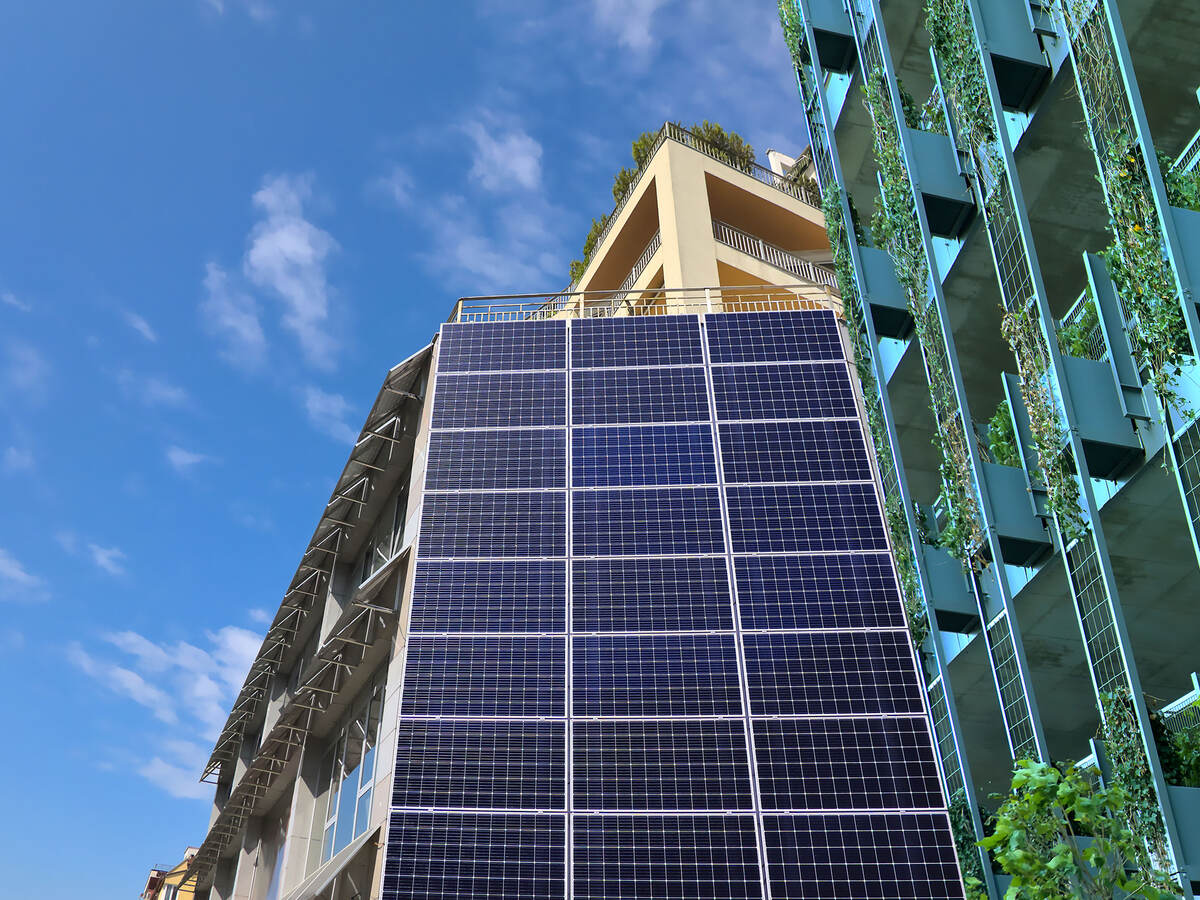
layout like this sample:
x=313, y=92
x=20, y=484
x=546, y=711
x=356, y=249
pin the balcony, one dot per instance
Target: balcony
x=772, y=255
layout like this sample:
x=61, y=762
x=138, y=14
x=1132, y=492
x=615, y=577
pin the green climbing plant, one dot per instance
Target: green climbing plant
x=1059, y=835
x=1178, y=751
x=1130, y=766
x=1002, y=438
x=1076, y=339
x=962, y=827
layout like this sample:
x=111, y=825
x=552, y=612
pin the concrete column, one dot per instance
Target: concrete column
x=685, y=220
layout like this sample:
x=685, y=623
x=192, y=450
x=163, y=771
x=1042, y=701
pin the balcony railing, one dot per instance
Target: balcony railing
x=1089, y=345
x=642, y=261
x=771, y=254
x=648, y=302
x=679, y=134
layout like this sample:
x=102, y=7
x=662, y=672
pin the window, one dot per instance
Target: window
x=386, y=537
x=347, y=776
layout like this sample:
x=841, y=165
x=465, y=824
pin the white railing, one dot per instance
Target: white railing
x=648, y=302
x=1091, y=345
x=1184, y=712
x=642, y=261
x=1186, y=161
x=771, y=254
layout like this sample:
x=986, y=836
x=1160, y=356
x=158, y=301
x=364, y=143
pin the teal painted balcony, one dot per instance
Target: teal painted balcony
x=948, y=201
x=884, y=296
x=834, y=39
x=1022, y=69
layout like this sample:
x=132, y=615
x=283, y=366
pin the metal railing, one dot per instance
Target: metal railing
x=642, y=261
x=771, y=254
x=648, y=302
x=1090, y=345
x=679, y=134
x=1186, y=161
x=1184, y=712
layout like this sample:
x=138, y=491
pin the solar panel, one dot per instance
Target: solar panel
x=830, y=673
x=632, y=455
x=494, y=524
x=690, y=764
x=628, y=396
x=688, y=594
x=815, y=390
x=833, y=857
x=481, y=764
x=656, y=675
x=490, y=676
x=805, y=517
x=503, y=346
x=466, y=460
x=490, y=596
x=831, y=450
x=650, y=521
x=809, y=764
x=636, y=341
x=834, y=591
x=475, y=856
x=618, y=857
x=773, y=336
x=509, y=400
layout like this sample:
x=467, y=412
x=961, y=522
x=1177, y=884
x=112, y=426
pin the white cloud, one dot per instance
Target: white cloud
x=152, y=390
x=257, y=10
x=287, y=257
x=231, y=315
x=17, y=583
x=17, y=459
x=141, y=326
x=185, y=460
x=327, y=413
x=10, y=299
x=504, y=157
x=107, y=558
x=182, y=685
x=260, y=616
x=629, y=21
x=396, y=186
x=26, y=371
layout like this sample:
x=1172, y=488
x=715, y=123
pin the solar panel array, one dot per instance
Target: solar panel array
x=656, y=646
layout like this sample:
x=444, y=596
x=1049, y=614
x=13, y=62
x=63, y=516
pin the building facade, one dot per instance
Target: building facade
x=604, y=601
x=1023, y=316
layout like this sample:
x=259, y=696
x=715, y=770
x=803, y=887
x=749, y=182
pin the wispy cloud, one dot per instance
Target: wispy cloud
x=180, y=684
x=287, y=256
x=152, y=390
x=257, y=10
x=629, y=21
x=505, y=158
x=18, y=459
x=183, y=461
x=25, y=372
x=260, y=616
x=327, y=413
x=17, y=583
x=10, y=299
x=231, y=315
x=141, y=326
x=108, y=559
x=396, y=186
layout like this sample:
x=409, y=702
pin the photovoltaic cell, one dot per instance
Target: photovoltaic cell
x=834, y=857
x=497, y=524
x=837, y=591
x=635, y=341
x=510, y=400
x=619, y=857
x=465, y=460
x=648, y=521
x=630, y=455
x=475, y=856
x=831, y=764
x=503, y=346
x=693, y=764
x=813, y=450
x=490, y=596
x=831, y=673
x=492, y=676
x=773, y=336
x=656, y=675
x=805, y=517
x=776, y=391
x=626, y=396
x=481, y=764
x=651, y=595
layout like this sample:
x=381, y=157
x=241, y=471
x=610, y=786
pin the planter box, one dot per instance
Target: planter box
x=1110, y=444
x=949, y=203
x=888, y=305
x=831, y=31
x=952, y=601
x=1023, y=537
x=1022, y=70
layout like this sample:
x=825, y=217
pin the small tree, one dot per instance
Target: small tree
x=736, y=150
x=1058, y=835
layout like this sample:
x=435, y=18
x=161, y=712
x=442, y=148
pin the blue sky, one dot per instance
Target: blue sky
x=223, y=221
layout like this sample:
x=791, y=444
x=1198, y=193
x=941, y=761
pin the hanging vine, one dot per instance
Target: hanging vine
x=952, y=36
x=916, y=612
x=963, y=829
x=1137, y=259
x=793, y=34
x=897, y=230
